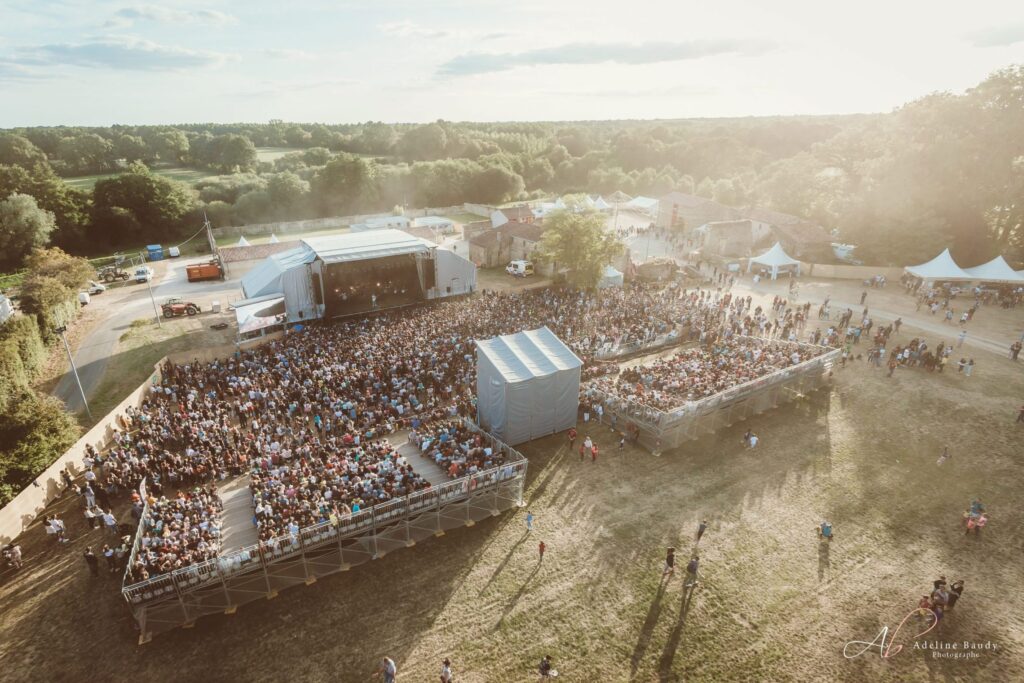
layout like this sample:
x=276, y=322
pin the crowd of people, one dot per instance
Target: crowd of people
x=307, y=415
x=699, y=372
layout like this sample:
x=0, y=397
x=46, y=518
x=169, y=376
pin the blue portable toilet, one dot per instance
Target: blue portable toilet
x=155, y=252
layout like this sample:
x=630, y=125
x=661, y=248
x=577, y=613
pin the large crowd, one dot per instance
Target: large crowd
x=308, y=415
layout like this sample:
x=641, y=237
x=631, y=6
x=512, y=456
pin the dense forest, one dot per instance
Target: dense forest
x=947, y=169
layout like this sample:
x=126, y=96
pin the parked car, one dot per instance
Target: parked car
x=519, y=268
x=96, y=288
x=84, y=298
x=143, y=274
x=174, y=307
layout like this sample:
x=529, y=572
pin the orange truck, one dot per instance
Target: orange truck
x=204, y=271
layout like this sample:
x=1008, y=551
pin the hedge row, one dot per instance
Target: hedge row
x=22, y=352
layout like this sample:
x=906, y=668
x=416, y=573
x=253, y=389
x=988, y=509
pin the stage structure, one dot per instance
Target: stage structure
x=354, y=273
x=221, y=585
x=662, y=430
x=527, y=385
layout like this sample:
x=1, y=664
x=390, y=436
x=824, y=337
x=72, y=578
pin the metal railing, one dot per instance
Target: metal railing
x=178, y=597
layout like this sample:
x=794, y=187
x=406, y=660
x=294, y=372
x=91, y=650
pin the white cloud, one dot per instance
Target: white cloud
x=998, y=36
x=165, y=15
x=599, y=53
x=119, y=53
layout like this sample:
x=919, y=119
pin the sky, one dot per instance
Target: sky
x=100, y=62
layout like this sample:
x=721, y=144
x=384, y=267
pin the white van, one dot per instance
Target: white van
x=519, y=268
x=96, y=288
x=84, y=298
x=143, y=274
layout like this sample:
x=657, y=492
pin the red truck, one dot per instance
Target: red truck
x=204, y=271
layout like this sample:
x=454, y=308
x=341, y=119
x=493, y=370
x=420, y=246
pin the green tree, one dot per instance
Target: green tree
x=34, y=432
x=344, y=186
x=68, y=205
x=23, y=227
x=172, y=146
x=152, y=207
x=131, y=148
x=85, y=153
x=16, y=150
x=237, y=153
x=579, y=243
x=423, y=143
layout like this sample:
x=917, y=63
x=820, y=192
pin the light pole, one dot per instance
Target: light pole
x=149, y=283
x=61, y=331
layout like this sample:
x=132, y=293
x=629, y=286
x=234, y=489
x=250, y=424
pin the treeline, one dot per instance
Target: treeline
x=35, y=430
x=943, y=170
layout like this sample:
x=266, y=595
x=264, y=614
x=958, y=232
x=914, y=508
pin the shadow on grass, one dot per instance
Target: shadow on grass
x=647, y=629
x=519, y=594
x=824, y=559
x=504, y=562
x=668, y=655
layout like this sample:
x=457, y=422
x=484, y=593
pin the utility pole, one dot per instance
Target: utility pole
x=61, y=331
x=149, y=283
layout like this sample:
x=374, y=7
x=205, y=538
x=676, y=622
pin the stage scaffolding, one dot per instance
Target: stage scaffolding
x=661, y=430
x=222, y=584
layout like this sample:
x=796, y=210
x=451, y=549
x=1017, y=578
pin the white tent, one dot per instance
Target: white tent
x=942, y=267
x=996, y=270
x=601, y=205
x=527, y=385
x=611, y=277
x=774, y=258
x=242, y=242
x=273, y=239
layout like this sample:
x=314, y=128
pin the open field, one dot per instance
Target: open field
x=185, y=175
x=773, y=604
x=273, y=153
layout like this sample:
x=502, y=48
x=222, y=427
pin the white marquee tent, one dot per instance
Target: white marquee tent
x=242, y=242
x=996, y=270
x=273, y=239
x=528, y=385
x=774, y=258
x=942, y=267
x=611, y=277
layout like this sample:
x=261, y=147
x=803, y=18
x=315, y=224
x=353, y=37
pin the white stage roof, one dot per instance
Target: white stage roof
x=942, y=267
x=366, y=245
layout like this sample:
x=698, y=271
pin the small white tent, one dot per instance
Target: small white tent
x=774, y=258
x=942, y=267
x=611, y=277
x=273, y=239
x=601, y=205
x=996, y=270
x=242, y=242
x=527, y=385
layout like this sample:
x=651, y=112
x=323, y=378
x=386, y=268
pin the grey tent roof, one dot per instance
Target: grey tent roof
x=265, y=278
x=942, y=267
x=996, y=270
x=528, y=354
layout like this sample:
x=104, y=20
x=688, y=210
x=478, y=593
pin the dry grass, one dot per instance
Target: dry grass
x=772, y=604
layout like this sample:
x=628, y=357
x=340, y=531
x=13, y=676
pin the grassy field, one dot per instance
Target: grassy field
x=185, y=175
x=230, y=241
x=772, y=603
x=273, y=153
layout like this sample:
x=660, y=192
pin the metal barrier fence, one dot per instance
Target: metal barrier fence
x=668, y=429
x=220, y=585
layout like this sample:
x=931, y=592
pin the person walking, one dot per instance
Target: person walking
x=529, y=522
x=955, y=591
x=446, y=671
x=945, y=455
x=960, y=338
x=540, y=549
x=593, y=453
x=701, y=528
x=1020, y=414
x=544, y=669
x=92, y=561
x=622, y=442
x=863, y=297
x=969, y=368
x=110, y=522
x=670, y=563
x=387, y=669
x=691, y=571
x=572, y=437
